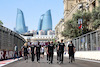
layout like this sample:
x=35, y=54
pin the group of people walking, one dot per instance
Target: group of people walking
x=37, y=50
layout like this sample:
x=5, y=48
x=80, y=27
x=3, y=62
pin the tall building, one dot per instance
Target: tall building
x=20, y=23
x=40, y=22
x=45, y=22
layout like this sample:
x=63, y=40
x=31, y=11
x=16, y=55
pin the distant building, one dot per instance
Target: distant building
x=40, y=23
x=58, y=29
x=41, y=32
x=34, y=32
x=20, y=23
x=42, y=38
x=45, y=22
x=50, y=32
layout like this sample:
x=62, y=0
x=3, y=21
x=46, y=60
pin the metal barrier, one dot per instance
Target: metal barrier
x=88, y=42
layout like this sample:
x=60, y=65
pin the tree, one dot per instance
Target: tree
x=96, y=18
x=1, y=23
x=71, y=29
x=71, y=26
x=96, y=24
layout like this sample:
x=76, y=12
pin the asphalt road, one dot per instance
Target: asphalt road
x=43, y=63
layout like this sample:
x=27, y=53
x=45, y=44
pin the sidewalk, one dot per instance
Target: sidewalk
x=5, y=62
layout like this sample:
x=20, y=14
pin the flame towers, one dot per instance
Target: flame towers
x=45, y=22
x=20, y=23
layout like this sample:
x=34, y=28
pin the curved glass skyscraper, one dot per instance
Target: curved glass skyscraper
x=45, y=22
x=20, y=23
x=40, y=23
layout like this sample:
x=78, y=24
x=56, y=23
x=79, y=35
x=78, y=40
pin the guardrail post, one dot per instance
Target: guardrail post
x=91, y=41
x=96, y=40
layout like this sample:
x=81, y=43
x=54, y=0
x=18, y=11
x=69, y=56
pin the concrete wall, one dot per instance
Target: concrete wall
x=92, y=55
x=8, y=38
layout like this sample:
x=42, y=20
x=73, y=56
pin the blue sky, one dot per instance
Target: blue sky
x=32, y=10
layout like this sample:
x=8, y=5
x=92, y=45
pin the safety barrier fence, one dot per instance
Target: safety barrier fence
x=4, y=55
x=88, y=42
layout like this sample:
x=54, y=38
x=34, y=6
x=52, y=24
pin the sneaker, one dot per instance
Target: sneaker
x=74, y=60
x=60, y=62
x=49, y=62
x=38, y=61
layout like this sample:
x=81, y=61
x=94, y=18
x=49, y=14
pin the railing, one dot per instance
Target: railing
x=88, y=42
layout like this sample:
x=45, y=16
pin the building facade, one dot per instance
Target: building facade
x=71, y=7
x=41, y=32
x=20, y=23
x=40, y=23
x=45, y=22
x=50, y=32
x=42, y=38
x=58, y=29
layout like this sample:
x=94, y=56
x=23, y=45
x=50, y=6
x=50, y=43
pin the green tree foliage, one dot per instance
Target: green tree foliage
x=96, y=18
x=96, y=24
x=1, y=23
x=71, y=29
x=71, y=26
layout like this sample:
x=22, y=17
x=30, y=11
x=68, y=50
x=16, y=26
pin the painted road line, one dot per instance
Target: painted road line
x=6, y=62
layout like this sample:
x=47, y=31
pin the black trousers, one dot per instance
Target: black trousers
x=38, y=56
x=51, y=57
x=26, y=55
x=71, y=55
x=33, y=56
x=47, y=57
x=57, y=55
x=61, y=55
